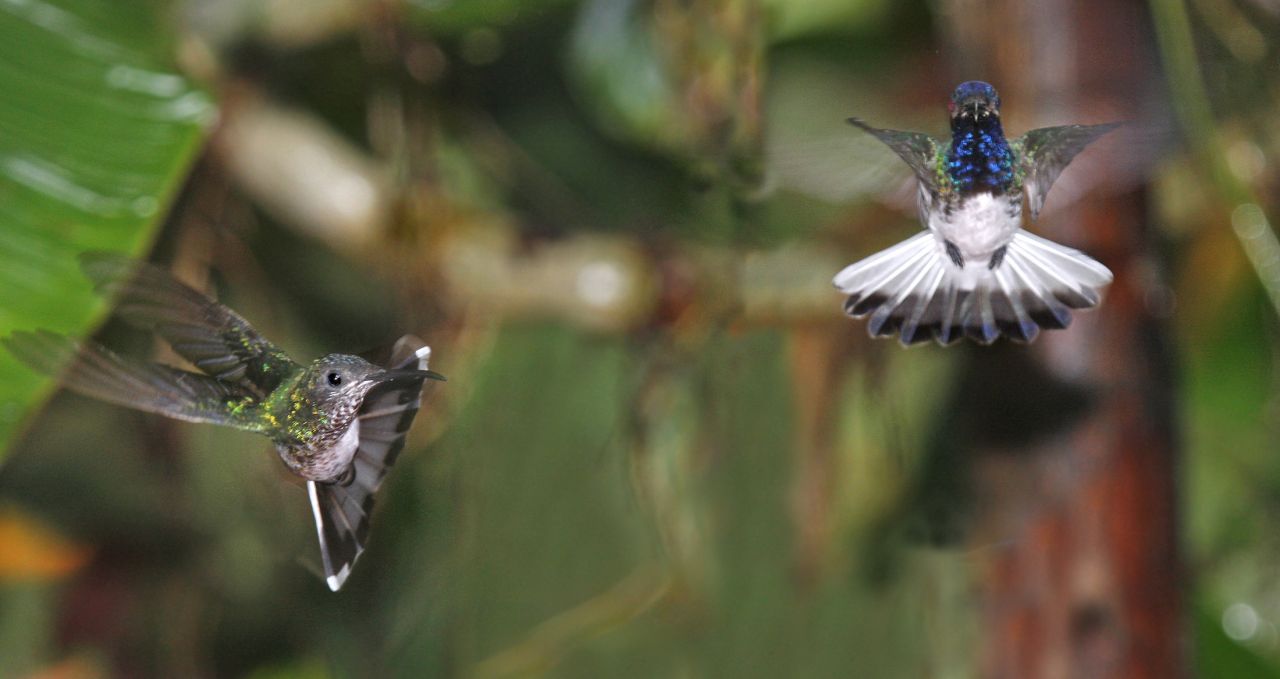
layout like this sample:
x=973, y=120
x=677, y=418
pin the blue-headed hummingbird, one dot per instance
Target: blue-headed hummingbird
x=975, y=271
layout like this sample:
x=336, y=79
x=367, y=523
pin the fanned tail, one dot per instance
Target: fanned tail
x=342, y=508
x=915, y=291
x=342, y=522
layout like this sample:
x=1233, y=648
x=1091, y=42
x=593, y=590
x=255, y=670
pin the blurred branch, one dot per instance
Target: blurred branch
x=286, y=23
x=1191, y=104
x=605, y=283
x=818, y=360
x=550, y=641
x=316, y=182
x=668, y=465
x=304, y=173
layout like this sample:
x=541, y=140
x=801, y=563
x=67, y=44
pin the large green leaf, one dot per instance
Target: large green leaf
x=96, y=133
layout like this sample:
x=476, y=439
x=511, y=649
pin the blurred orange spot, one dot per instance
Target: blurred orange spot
x=30, y=549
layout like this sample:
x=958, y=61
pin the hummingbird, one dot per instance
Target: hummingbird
x=975, y=271
x=338, y=422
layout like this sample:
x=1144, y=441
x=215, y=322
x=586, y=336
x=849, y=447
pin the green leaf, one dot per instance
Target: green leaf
x=97, y=131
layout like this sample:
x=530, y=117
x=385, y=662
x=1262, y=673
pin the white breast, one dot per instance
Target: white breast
x=345, y=449
x=979, y=224
x=332, y=462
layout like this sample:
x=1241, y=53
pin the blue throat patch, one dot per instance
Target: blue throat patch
x=980, y=159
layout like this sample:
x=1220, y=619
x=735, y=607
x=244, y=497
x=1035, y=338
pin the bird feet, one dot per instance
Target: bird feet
x=997, y=257
x=953, y=253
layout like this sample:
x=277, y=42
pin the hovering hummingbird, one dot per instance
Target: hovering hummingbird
x=975, y=271
x=338, y=422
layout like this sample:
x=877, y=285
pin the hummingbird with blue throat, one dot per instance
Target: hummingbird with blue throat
x=338, y=422
x=975, y=271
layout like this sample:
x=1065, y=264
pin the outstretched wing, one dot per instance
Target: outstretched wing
x=342, y=508
x=91, y=369
x=214, y=338
x=1047, y=151
x=918, y=149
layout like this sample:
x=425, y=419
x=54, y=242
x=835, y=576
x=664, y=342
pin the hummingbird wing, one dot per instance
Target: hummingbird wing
x=342, y=508
x=1047, y=151
x=214, y=338
x=919, y=150
x=91, y=369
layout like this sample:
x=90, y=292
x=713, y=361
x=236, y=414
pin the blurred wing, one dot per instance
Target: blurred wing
x=342, y=508
x=820, y=167
x=1047, y=151
x=93, y=370
x=214, y=338
x=919, y=150
x=1126, y=162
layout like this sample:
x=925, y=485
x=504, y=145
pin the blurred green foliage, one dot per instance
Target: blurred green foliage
x=97, y=133
x=572, y=503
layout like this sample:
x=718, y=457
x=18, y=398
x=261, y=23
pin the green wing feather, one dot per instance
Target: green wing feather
x=1047, y=151
x=214, y=338
x=91, y=369
x=919, y=150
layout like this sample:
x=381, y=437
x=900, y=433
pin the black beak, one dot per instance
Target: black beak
x=975, y=109
x=402, y=376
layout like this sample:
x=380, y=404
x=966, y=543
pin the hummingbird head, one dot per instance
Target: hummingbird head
x=973, y=102
x=331, y=391
x=339, y=378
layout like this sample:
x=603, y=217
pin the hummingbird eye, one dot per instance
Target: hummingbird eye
x=335, y=380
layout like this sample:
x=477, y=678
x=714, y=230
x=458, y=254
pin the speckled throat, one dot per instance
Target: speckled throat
x=979, y=159
x=326, y=461
x=320, y=438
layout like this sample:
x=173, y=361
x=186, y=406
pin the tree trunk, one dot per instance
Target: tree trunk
x=1082, y=498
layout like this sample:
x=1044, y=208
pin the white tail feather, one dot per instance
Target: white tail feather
x=915, y=291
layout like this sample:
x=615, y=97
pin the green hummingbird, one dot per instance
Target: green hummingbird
x=338, y=422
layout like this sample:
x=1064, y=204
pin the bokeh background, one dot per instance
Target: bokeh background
x=662, y=450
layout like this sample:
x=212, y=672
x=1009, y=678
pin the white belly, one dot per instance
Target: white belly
x=979, y=225
x=344, y=451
